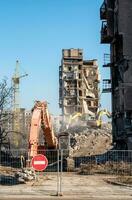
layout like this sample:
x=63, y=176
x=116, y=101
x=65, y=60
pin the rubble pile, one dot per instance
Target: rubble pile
x=25, y=174
x=88, y=169
x=4, y=170
x=11, y=176
x=110, y=167
x=88, y=141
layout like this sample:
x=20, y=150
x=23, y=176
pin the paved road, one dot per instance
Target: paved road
x=69, y=198
x=74, y=186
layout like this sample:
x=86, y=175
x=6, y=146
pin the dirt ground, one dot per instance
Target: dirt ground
x=74, y=186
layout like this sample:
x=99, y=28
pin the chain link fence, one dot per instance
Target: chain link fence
x=110, y=163
x=15, y=169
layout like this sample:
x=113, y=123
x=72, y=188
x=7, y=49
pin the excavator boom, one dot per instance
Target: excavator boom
x=99, y=116
x=41, y=120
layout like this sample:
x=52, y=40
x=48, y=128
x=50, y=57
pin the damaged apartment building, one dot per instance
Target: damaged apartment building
x=78, y=81
x=17, y=124
x=116, y=16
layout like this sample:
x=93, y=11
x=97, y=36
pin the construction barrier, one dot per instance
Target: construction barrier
x=17, y=169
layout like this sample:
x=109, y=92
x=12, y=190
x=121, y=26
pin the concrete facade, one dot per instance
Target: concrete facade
x=78, y=81
x=116, y=16
x=18, y=125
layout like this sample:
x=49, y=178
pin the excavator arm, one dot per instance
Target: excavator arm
x=99, y=116
x=41, y=120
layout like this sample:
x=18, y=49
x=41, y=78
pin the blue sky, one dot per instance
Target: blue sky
x=35, y=32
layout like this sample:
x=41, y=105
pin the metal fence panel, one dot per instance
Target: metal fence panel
x=15, y=170
x=113, y=163
x=62, y=170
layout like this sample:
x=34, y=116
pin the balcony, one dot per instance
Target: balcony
x=60, y=68
x=60, y=103
x=106, y=85
x=60, y=74
x=103, y=11
x=105, y=36
x=106, y=60
x=70, y=57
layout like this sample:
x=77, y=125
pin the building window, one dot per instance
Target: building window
x=80, y=93
x=79, y=67
x=69, y=68
x=79, y=76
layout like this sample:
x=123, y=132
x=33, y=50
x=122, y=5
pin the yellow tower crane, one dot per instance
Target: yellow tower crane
x=16, y=103
x=16, y=86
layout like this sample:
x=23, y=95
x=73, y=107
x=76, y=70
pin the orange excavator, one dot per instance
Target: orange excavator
x=41, y=120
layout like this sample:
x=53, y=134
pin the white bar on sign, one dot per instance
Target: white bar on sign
x=39, y=162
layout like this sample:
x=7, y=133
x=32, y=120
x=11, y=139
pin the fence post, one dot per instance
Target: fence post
x=0, y=154
x=61, y=170
x=57, y=172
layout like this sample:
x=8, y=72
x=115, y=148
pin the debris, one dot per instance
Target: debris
x=70, y=164
x=87, y=169
x=25, y=174
x=110, y=167
x=87, y=141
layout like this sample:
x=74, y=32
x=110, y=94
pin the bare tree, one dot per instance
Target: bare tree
x=4, y=140
x=5, y=105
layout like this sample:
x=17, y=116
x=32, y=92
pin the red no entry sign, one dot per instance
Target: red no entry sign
x=39, y=162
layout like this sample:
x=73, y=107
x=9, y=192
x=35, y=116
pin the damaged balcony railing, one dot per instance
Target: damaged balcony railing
x=106, y=60
x=103, y=11
x=106, y=85
x=105, y=36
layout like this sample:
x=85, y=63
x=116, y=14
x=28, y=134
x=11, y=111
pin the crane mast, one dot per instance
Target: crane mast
x=16, y=103
x=16, y=86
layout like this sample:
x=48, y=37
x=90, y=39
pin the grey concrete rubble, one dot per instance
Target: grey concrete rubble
x=88, y=141
x=24, y=175
x=10, y=176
